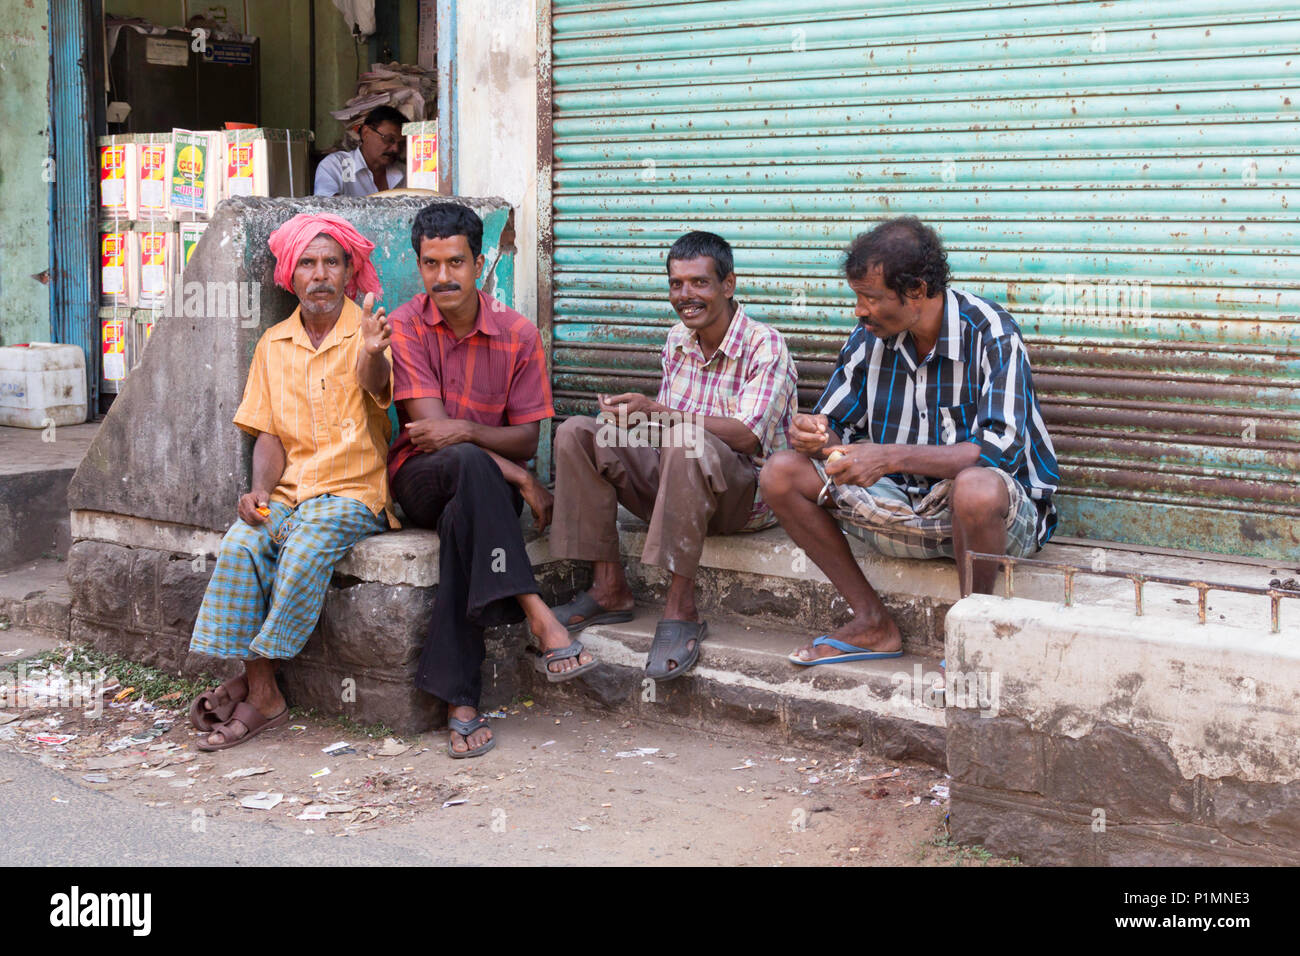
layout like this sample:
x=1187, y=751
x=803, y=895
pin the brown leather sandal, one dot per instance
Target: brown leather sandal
x=245, y=724
x=221, y=701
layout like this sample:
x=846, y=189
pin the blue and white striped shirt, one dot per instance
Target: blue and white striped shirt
x=975, y=386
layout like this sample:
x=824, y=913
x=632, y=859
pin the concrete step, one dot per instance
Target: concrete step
x=765, y=579
x=744, y=684
x=35, y=596
x=36, y=466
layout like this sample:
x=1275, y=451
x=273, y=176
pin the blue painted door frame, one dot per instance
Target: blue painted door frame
x=76, y=115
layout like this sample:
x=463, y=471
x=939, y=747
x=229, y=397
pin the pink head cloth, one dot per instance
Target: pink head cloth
x=292, y=237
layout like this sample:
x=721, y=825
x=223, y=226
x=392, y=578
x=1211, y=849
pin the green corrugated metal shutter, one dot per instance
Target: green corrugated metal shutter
x=1140, y=154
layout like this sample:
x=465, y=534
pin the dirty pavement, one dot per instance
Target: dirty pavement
x=561, y=787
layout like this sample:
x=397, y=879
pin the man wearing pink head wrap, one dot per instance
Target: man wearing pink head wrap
x=316, y=403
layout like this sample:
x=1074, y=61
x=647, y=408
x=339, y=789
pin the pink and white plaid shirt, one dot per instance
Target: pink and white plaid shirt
x=750, y=378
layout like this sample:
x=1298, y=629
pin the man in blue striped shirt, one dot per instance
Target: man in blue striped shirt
x=927, y=442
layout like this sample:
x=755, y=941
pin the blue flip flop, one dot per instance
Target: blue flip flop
x=851, y=653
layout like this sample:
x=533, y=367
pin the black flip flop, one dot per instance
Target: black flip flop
x=592, y=613
x=670, y=644
x=543, y=659
x=465, y=728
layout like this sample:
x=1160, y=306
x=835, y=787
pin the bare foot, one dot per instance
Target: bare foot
x=882, y=636
x=477, y=739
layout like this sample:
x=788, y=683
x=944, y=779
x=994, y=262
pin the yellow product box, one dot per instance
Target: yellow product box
x=265, y=162
x=118, y=174
x=156, y=245
x=195, y=174
x=421, y=155
x=119, y=264
x=114, y=323
x=189, y=233
x=139, y=330
x=153, y=164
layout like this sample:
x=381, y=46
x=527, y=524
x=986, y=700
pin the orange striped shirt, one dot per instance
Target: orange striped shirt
x=335, y=433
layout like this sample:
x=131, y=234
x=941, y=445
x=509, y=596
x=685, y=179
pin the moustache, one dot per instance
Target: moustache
x=453, y=287
x=323, y=287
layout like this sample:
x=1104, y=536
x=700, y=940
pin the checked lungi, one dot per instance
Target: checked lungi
x=269, y=585
x=907, y=523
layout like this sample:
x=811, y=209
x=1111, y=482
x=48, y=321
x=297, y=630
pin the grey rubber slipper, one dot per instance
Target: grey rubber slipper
x=592, y=613
x=670, y=643
x=465, y=728
x=543, y=659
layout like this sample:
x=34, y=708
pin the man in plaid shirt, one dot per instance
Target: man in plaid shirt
x=725, y=402
x=928, y=441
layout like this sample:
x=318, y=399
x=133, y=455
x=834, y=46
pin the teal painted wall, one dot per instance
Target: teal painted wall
x=24, y=195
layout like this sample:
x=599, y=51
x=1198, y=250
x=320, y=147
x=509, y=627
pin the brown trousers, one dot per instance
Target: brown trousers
x=692, y=486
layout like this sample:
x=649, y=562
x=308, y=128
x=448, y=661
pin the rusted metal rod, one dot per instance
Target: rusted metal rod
x=1068, y=571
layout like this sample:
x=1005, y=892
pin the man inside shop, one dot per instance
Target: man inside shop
x=370, y=168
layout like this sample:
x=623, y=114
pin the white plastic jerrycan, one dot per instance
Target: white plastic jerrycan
x=42, y=384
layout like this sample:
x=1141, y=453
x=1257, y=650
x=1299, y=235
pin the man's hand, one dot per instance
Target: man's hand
x=538, y=499
x=809, y=433
x=433, y=434
x=249, y=506
x=862, y=463
x=635, y=402
x=375, y=330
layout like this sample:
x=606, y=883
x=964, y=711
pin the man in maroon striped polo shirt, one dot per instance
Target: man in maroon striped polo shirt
x=469, y=380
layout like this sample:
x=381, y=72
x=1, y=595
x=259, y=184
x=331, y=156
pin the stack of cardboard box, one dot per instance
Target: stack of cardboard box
x=157, y=192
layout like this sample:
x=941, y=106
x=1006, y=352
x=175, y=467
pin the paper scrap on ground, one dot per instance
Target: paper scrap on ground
x=393, y=748
x=245, y=772
x=322, y=772
x=262, y=801
x=453, y=803
x=639, y=752
x=119, y=762
x=880, y=776
x=335, y=750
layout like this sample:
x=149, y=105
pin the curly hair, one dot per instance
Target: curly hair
x=909, y=252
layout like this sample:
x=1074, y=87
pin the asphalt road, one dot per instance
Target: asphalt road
x=86, y=828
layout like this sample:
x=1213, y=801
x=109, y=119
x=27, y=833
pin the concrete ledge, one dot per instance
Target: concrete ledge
x=743, y=682
x=1176, y=741
x=407, y=557
x=36, y=595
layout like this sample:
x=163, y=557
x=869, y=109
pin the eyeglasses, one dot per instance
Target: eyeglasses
x=387, y=140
